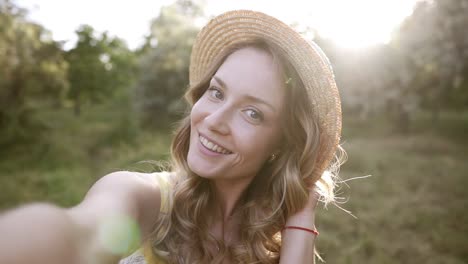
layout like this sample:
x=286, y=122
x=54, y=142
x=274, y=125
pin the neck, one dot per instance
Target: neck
x=228, y=195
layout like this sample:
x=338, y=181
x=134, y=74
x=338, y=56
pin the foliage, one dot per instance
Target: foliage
x=424, y=67
x=100, y=67
x=77, y=150
x=165, y=61
x=33, y=74
x=434, y=41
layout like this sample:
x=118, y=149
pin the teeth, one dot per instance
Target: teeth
x=212, y=146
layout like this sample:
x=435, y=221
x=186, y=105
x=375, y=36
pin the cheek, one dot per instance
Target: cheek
x=257, y=143
x=196, y=114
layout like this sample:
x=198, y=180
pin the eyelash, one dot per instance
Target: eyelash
x=212, y=91
x=260, y=115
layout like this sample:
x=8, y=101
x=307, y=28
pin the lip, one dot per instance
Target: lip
x=208, y=151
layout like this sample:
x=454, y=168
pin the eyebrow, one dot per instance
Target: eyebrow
x=249, y=97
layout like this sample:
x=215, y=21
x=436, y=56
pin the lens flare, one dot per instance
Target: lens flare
x=119, y=234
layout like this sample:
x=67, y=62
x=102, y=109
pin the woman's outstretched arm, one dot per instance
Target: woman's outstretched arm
x=298, y=245
x=45, y=233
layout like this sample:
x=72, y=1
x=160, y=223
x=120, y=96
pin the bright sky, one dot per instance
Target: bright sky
x=350, y=23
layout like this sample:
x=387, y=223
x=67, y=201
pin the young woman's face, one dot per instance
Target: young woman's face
x=235, y=125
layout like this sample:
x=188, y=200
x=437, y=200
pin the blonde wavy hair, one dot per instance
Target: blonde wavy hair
x=280, y=189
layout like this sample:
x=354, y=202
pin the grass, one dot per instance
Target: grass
x=411, y=210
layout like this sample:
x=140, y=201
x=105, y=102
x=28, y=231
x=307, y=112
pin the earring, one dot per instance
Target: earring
x=272, y=158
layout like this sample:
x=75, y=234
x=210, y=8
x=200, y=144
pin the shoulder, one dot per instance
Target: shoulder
x=129, y=182
x=124, y=191
x=135, y=194
x=119, y=177
x=155, y=177
x=144, y=188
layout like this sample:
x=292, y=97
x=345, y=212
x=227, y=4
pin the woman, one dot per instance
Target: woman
x=248, y=164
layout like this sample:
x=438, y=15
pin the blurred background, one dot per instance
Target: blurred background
x=90, y=87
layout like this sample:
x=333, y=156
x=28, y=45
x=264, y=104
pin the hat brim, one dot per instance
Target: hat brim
x=311, y=64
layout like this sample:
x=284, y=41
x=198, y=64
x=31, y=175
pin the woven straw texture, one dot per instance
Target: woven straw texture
x=310, y=62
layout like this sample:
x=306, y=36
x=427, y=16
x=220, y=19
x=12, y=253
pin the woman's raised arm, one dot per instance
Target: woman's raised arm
x=45, y=233
x=298, y=245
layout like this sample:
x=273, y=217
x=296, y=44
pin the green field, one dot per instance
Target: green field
x=411, y=210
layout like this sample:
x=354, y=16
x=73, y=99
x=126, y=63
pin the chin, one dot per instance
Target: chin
x=195, y=165
x=202, y=171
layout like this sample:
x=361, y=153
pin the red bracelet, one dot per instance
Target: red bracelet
x=313, y=231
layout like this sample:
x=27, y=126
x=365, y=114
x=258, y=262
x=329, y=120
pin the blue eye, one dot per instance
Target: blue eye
x=215, y=93
x=254, y=114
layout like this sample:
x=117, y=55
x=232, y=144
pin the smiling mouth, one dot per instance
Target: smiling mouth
x=213, y=146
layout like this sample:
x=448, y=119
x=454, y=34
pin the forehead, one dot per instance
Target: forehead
x=255, y=72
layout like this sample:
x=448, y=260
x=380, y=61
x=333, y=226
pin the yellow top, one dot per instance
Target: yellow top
x=163, y=179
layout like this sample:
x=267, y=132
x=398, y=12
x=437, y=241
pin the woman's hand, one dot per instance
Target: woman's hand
x=298, y=245
x=38, y=233
x=306, y=216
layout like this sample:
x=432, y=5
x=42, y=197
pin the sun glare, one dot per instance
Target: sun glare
x=350, y=24
x=359, y=24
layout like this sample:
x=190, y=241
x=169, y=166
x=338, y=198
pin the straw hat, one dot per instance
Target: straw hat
x=310, y=62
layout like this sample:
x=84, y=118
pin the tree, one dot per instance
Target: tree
x=165, y=61
x=32, y=73
x=435, y=41
x=100, y=66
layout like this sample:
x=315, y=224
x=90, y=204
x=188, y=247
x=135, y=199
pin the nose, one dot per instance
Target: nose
x=218, y=120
